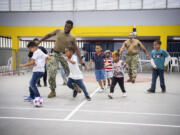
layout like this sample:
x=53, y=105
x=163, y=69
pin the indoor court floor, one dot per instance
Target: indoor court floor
x=138, y=114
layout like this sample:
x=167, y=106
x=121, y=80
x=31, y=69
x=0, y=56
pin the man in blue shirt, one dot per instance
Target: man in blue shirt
x=159, y=60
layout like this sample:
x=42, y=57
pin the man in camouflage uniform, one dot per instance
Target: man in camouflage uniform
x=132, y=55
x=63, y=40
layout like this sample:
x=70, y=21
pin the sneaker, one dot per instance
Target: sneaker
x=124, y=94
x=88, y=98
x=29, y=99
x=75, y=93
x=38, y=85
x=150, y=91
x=45, y=84
x=163, y=90
x=64, y=84
x=101, y=89
x=78, y=89
x=110, y=95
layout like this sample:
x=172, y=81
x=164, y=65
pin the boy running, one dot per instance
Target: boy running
x=38, y=61
x=98, y=59
x=75, y=78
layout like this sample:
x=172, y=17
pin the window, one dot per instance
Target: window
x=4, y=5
x=62, y=5
x=173, y=4
x=107, y=4
x=76, y=5
x=130, y=4
x=84, y=4
x=20, y=5
x=152, y=4
x=41, y=5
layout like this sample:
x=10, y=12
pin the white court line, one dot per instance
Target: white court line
x=34, y=108
x=93, y=122
x=90, y=111
x=132, y=113
x=80, y=105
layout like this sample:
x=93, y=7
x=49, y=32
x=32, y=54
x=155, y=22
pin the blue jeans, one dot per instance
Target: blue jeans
x=34, y=80
x=155, y=74
x=79, y=83
x=100, y=74
x=63, y=74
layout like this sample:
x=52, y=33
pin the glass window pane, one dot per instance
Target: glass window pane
x=173, y=3
x=4, y=5
x=84, y=4
x=107, y=4
x=130, y=4
x=149, y=4
x=62, y=5
x=40, y=5
x=20, y=5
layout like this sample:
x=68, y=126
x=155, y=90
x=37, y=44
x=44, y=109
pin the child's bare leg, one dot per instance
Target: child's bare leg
x=109, y=81
x=104, y=82
x=100, y=84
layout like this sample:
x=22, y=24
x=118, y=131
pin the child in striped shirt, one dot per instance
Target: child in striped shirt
x=108, y=69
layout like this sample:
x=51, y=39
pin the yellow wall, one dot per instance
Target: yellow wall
x=104, y=31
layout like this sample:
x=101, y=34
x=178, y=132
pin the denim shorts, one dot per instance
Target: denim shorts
x=100, y=74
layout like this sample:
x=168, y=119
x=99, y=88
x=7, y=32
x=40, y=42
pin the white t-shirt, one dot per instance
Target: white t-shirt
x=75, y=72
x=40, y=61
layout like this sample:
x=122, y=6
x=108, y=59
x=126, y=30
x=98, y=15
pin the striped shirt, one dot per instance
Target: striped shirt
x=108, y=61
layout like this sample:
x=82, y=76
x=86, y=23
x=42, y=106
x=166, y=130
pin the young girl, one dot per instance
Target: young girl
x=118, y=74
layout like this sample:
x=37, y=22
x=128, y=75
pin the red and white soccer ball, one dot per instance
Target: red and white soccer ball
x=38, y=102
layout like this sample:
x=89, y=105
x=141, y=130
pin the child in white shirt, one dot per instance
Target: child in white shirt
x=38, y=61
x=75, y=78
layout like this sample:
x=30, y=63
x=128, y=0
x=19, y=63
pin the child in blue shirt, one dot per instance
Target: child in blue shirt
x=159, y=59
x=98, y=59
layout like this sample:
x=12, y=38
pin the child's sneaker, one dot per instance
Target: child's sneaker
x=150, y=91
x=75, y=93
x=29, y=99
x=77, y=87
x=110, y=95
x=88, y=98
x=124, y=94
x=163, y=90
x=39, y=85
x=101, y=89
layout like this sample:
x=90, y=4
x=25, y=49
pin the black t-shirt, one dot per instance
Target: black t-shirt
x=98, y=60
x=30, y=54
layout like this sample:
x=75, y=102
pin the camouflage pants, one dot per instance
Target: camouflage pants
x=53, y=66
x=133, y=63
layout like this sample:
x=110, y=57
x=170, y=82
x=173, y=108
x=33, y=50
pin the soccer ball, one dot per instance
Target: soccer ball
x=38, y=101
